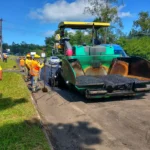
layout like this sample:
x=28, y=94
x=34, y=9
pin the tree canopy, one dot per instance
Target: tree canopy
x=106, y=11
x=141, y=26
x=22, y=48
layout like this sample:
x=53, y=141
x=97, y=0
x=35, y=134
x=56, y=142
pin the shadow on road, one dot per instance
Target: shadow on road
x=8, y=102
x=73, y=136
x=74, y=96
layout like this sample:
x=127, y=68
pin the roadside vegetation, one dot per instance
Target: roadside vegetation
x=137, y=41
x=11, y=63
x=136, y=46
x=19, y=127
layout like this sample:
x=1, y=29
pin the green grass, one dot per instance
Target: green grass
x=11, y=61
x=19, y=126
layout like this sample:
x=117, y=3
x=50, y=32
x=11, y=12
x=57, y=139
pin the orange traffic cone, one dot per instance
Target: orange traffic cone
x=1, y=73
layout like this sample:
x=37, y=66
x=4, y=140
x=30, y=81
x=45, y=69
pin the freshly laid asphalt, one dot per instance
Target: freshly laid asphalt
x=75, y=123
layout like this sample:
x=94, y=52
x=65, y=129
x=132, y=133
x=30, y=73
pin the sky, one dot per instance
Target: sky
x=33, y=20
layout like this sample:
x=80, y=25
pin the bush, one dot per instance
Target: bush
x=136, y=46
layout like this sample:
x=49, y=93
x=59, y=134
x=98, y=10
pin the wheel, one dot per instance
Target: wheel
x=60, y=80
x=52, y=82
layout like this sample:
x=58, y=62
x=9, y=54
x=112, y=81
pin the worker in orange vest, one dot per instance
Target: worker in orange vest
x=22, y=64
x=34, y=72
x=4, y=58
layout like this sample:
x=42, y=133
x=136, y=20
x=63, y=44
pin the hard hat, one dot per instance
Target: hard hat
x=36, y=56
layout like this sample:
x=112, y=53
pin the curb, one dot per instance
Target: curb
x=41, y=122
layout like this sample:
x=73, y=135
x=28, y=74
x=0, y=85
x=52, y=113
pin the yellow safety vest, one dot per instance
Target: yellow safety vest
x=28, y=63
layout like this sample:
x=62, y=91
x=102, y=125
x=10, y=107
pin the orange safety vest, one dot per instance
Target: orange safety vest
x=34, y=70
x=1, y=73
x=22, y=62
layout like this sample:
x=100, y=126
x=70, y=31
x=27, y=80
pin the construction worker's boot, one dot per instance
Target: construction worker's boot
x=26, y=79
x=38, y=88
x=34, y=90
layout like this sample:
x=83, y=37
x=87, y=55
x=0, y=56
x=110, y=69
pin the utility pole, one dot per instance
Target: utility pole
x=1, y=37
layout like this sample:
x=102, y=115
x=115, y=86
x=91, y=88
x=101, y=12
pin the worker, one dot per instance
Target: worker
x=22, y=64
x=4, y=58
x=34, y=72
x=1, y=73
x=27, y=67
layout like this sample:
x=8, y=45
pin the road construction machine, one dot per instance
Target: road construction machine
x=96, y=70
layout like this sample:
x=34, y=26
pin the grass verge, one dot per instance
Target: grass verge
x=11, y=61
x=19, y=126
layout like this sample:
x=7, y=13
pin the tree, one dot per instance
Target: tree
x=49, y=42
x=142, y=24
x=79, y=38
x=105, y=11
x=24, y=48
x=5, y=46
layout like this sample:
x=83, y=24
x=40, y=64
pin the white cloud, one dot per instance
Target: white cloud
x=62, y=10
x=123, y=14
x=48, y=33
x=121, y=7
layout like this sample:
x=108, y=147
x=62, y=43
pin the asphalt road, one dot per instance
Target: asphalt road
x=76, y=123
